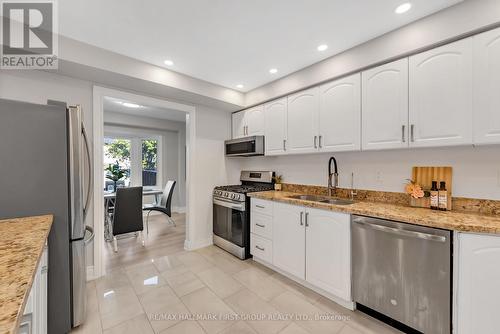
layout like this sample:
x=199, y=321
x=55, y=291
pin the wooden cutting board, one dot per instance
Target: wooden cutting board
x=424, y=176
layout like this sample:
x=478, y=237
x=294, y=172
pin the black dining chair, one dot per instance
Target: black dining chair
x=127, y=214
x=165, y=205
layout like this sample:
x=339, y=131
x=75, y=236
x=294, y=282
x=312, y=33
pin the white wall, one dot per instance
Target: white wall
x=173, y=153
x=209, y=169
x=476, y=171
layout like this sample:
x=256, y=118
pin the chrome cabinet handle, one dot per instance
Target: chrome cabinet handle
x=301, y=218
x=307, y=219
x=284, y=144
x=315, y=138
x=259, y=225
x=403, y=133
x=260, y=206
x=260, y=248
x=320, y=141
x=412, y=131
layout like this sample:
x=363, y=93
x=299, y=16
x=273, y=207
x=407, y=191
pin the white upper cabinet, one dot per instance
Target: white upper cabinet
x=328, y=251
x=478, y=299
x=385, y=106
x=248, y=122
x=487, y=87
x=441, y=96
x=255, y=121
x=239, y=126
x=276, y=126
x=289, y=239
x=302, y=118
x=339, y=119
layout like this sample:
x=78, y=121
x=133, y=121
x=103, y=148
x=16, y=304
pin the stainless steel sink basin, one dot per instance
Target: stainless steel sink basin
x=321, y=199
x=312, y=198
x=338, y=201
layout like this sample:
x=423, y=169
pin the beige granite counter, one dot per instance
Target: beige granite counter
x=21, y=246
x=450, y=220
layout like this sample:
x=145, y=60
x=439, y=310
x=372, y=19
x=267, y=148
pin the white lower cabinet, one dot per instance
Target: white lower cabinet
x=311, y=245
x=328, y=251
x=289, y=239
x=477, y=297
x=34, y=320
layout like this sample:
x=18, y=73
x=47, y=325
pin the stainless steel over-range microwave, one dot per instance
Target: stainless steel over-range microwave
x=245, y=147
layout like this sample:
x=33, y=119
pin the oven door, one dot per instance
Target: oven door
x=230, y=220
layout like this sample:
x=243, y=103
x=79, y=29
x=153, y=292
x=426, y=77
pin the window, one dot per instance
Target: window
x=134, y=160
x=116, y=157
x=149, y=162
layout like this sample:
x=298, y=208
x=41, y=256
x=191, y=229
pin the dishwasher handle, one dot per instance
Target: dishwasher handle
x=406, y=233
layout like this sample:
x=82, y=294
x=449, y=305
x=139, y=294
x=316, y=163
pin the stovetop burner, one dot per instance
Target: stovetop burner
x=245, y=188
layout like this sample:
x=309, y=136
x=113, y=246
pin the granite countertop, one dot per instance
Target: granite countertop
x=21, y=247
x=449, y=220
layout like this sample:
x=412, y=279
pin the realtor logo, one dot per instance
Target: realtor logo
x=29, y=39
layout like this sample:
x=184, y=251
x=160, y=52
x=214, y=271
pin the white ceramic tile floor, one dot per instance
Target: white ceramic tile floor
x=210, y=291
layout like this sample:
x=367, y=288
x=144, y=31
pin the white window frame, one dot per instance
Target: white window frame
x=136, y=137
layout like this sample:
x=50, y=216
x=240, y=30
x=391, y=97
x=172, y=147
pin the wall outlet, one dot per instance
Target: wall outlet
x=378, y=177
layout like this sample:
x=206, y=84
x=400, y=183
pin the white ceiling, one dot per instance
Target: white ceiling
x=230, y=42
x=116, y=105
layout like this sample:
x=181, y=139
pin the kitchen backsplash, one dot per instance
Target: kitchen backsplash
x=476, y=170
x=481, y=206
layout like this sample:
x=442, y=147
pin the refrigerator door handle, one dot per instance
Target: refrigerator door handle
x=91, y=172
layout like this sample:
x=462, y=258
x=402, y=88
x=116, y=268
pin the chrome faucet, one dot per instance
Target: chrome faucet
x=333, y=178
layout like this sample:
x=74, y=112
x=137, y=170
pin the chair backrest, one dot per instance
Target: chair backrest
x=166, y=198
x=127, y=215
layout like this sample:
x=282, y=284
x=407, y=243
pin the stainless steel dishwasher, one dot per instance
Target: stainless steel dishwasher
x=403, y=271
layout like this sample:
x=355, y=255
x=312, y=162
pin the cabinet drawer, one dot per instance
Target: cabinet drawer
x=261, y=248
x=261, y=225
x=262, y=206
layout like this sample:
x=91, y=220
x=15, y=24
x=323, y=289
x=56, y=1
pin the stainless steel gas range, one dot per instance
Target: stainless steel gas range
x=231, y=216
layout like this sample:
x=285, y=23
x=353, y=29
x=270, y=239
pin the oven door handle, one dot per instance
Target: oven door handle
x=234, y=206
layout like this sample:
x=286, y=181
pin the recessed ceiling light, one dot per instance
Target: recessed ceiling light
x=130, y=105
x=273, y=70
x=403, y=8
x=239, y=86
x=322, y=47
x=169, y=62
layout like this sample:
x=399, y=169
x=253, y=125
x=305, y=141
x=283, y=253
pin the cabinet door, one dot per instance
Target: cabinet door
x=478, y=276
x=340, y=115
x=487, y=87
x=328, y=251
x=275, y=127
x=289, y=239
x=441, y=96
x=385, y=106
x=239, y=125
x=255, y=121
x=302, y=118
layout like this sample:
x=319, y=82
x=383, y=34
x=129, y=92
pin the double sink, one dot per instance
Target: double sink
x=322, y=199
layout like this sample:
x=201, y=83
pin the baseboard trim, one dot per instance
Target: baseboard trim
x=179, y=209
x=350, y=305
x=90, y=273
x=190, y=245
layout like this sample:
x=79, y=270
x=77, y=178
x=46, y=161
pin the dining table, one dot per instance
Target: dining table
x=109, y=203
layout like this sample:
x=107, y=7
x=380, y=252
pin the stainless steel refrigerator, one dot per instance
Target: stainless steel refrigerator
x=45, y=169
